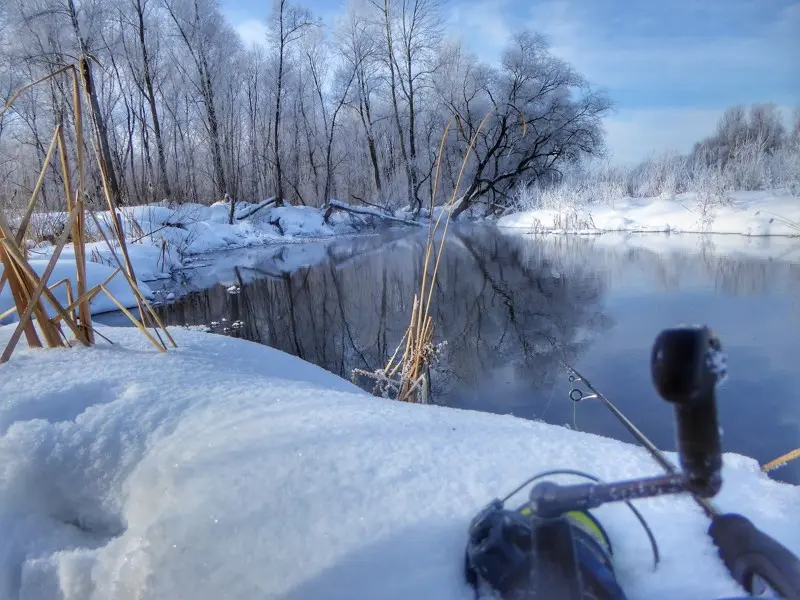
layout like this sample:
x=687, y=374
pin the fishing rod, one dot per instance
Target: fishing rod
x=553, y=546
x=577, y=395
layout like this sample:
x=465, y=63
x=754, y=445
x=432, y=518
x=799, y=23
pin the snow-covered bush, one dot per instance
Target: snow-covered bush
x=760, y=157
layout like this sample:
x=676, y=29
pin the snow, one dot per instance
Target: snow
x=299, y=221
x=161, y=237
x=225, y=469
x=745, y=213
x=95, y=275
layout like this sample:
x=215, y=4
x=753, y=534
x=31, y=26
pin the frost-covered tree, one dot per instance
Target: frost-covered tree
x=527, y=118
x=740, y=129
x=353, y=109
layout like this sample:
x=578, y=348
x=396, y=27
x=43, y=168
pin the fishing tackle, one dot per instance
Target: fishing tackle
x=552, y=547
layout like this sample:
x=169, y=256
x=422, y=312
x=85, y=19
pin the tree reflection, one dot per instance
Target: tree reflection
x=508, y=307
x=500, y=303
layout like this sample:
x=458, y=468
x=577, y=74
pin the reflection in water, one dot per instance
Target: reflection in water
x=509, y=308
x=498, y=304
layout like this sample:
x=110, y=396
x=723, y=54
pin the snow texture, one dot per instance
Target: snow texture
x=95, y=275
x=161, y=237
x=745, y=213
x=226, y=469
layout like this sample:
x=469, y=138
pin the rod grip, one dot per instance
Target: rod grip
x=687, y=363
x=748, y=551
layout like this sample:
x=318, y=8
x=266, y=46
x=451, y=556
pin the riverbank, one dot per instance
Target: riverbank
x=164, y=239
x=230, y=469
x=764, y=213
x=163, y=236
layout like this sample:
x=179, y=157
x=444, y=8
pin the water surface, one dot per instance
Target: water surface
x=511, y=307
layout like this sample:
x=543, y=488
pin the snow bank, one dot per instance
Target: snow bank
x=225, y=469
x=161, y=237
x=745, y=213
x=95, y=275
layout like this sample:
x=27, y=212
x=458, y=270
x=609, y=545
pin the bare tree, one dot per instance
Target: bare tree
x=766, y=126
x=354, y=112
x=411, y=31
x=204, y=33
x=539, y=114
x=360, y=48
x=739, y=129
x=141, y=23
x=288, y=25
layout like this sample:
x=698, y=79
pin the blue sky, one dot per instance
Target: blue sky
x=671, y=66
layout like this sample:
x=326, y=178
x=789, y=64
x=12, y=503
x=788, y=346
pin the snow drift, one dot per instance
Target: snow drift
x=225, y=469
x=745, y=213
x=161, y=237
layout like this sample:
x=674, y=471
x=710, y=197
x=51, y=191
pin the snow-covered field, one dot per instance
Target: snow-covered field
x=226, y=469
x=745, y=213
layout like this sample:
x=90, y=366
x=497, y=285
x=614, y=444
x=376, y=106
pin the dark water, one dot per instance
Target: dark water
x=508, y=306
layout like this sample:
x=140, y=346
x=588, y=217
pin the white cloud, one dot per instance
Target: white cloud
x=633, y=134
x=252, y=31
x=483, y=27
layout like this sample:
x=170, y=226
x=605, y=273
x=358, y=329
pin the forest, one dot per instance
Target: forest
x=380, y=107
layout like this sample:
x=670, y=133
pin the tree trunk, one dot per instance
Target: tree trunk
x=412, y=142
x=277, y=139
x=97, y=116
x=366, y=119
x=395, y=106
x=151, y=100
x=213, y=127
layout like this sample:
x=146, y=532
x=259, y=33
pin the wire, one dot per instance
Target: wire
x=637, y=514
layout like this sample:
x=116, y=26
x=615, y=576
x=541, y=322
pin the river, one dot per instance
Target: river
x=509, y=308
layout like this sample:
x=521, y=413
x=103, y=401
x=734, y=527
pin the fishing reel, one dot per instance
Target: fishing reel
x=552, y=547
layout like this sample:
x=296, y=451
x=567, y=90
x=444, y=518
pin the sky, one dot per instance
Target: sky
x=670, y=66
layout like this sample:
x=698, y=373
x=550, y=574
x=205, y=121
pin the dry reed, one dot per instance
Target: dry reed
x=27, y=288
x=781, y=461
x=408, y=374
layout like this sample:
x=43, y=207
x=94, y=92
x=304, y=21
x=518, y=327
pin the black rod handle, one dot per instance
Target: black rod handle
x=686, y=364
x=549, y=500
x=748, y=551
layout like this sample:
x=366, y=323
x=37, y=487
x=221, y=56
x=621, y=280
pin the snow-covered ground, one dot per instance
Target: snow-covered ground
x=226, y=469
x=162, y=236
x=162, y=239
x=745, y=213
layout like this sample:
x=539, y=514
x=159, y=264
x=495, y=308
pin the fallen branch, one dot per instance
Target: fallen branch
x=253, y=211
x=358, y=210
x=382, y=208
